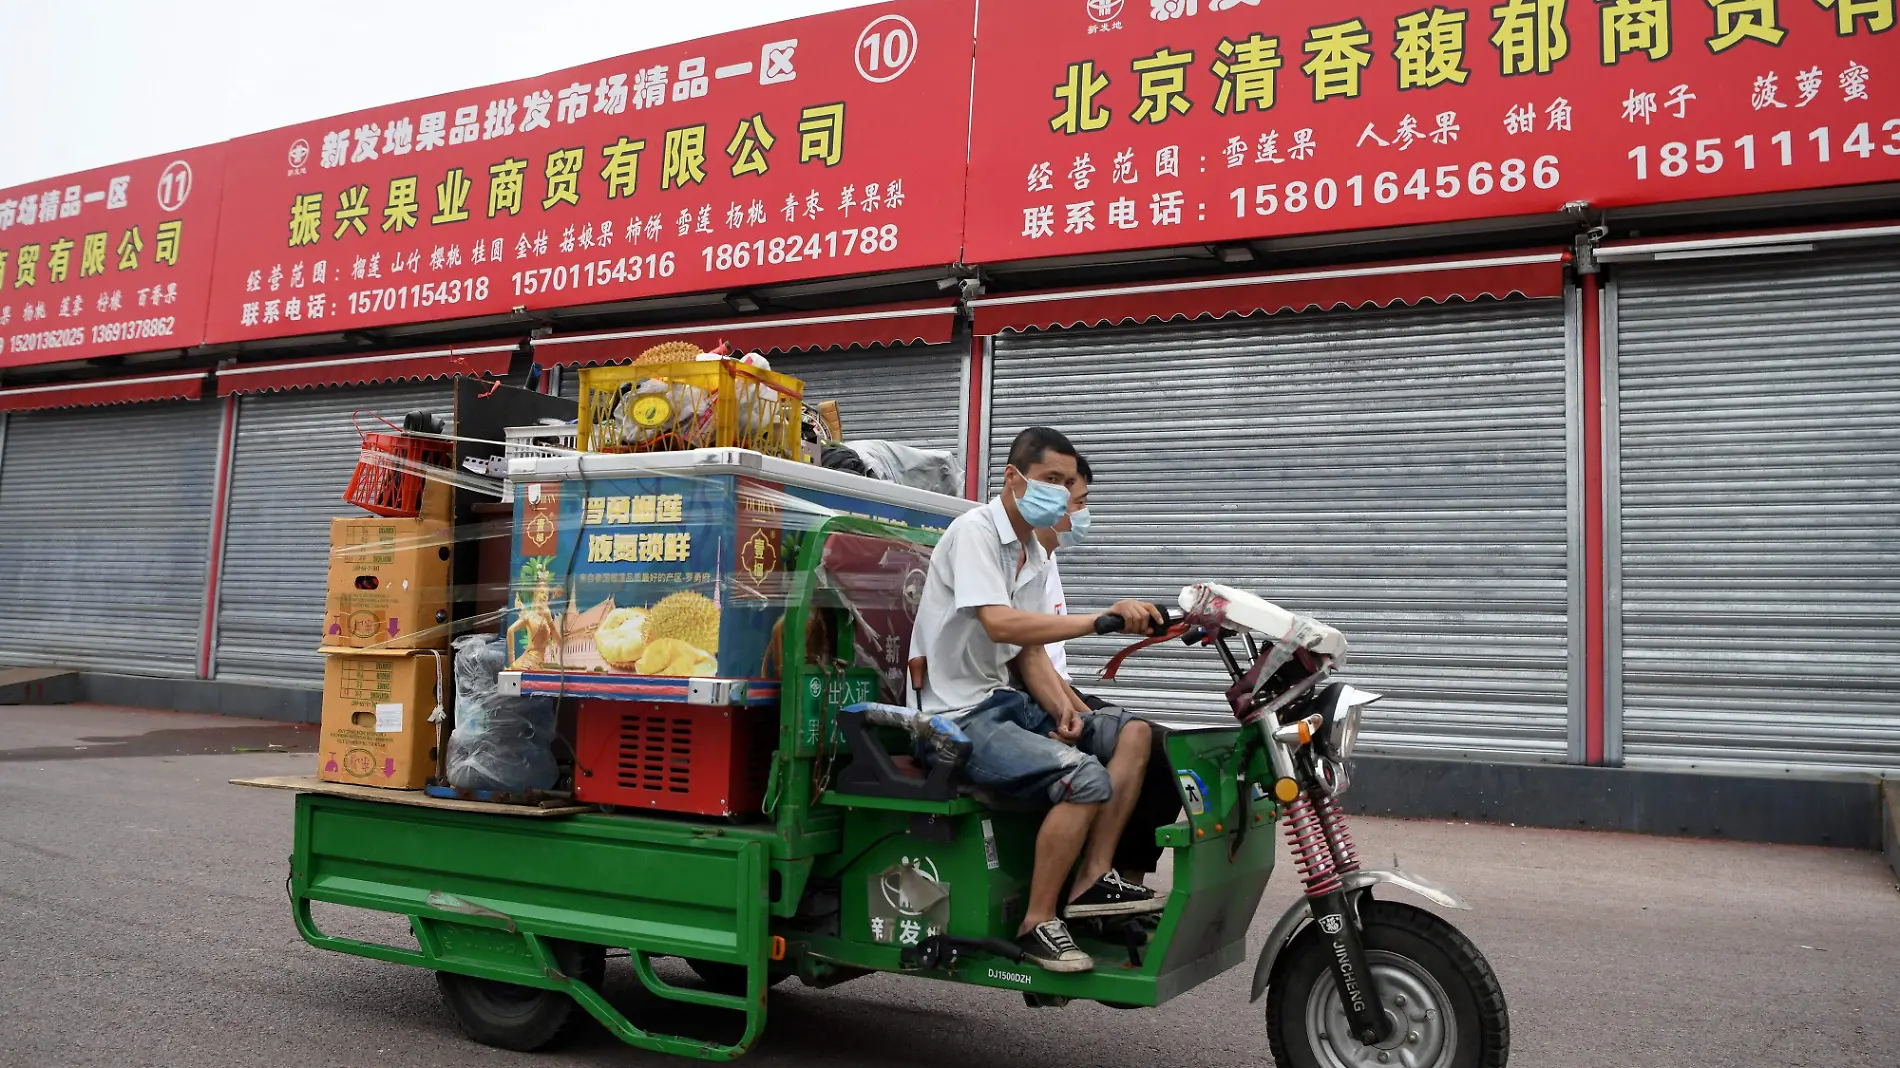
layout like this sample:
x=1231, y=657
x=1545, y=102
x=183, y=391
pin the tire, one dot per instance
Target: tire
x=729, y=978
x=523, y=1018
x=1408, y=950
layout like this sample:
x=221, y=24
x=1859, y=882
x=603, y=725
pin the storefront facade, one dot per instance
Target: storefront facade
x=1592, y=457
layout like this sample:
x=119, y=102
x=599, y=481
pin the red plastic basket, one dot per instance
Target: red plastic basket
x=391, y=488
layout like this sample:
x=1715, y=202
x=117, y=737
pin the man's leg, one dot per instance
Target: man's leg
x=1126, y=768
x=1137, y=856
x=1011, y=753
x=1058, y=843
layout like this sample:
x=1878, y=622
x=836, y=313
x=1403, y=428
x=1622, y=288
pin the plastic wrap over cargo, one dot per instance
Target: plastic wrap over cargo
x=500, y=743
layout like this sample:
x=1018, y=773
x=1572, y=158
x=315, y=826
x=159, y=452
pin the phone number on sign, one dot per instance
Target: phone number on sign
x=1676, y=158
x=593, y=273
x=106, y=333
x=424, y=295
x=1446, y=182
x=861, y=241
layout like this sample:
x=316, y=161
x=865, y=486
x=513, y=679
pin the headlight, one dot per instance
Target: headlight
x=1343, y=724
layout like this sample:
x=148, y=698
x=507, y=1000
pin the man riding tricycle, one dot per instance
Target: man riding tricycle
x=936, y=802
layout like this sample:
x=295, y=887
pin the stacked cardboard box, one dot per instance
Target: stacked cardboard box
x=385, y=626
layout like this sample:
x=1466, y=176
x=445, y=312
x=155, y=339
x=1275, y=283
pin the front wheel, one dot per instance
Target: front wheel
x=1446, y=1007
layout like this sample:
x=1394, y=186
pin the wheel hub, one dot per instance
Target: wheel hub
x=1423, y=1032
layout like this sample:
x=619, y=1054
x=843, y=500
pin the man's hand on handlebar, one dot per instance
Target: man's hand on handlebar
x=1138, y=617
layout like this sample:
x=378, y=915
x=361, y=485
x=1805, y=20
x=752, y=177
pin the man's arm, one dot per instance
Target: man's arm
x=1047, y=686
x=1013, y=626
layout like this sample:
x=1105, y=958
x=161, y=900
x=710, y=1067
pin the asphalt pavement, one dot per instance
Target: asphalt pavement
x=143, y=922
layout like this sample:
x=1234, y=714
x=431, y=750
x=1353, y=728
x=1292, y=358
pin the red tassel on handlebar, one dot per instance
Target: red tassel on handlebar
x=1115, y=662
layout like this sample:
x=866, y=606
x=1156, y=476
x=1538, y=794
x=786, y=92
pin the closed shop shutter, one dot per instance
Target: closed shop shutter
x=1756, y=521
x=292, y=461
x=1399, y=474
x=105, y=527
x=910, y=394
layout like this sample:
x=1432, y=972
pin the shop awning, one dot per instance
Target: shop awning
x=1529, y=274
x=365, y=370
x=183, y=386
x=929, y=322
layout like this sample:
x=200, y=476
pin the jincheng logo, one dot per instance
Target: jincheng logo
x=1332, y=925
x=1103, y=10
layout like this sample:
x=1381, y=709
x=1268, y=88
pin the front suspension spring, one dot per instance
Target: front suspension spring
x=1333, y=819
x=1311, y=852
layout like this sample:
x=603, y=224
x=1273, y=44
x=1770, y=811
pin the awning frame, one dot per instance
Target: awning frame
x=1752, y=243
x=1536, y=274
x=923, y=322
x=341, y=371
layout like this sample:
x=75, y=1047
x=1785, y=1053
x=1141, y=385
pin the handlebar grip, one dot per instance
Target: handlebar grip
x=1115, y=622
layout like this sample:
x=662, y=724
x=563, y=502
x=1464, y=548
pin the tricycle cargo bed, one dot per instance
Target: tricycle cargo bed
x=494, y=898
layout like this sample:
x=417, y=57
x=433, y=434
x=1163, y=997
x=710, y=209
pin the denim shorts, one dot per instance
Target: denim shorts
x=1013, y=755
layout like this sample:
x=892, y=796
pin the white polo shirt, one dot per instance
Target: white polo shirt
x=1058, y=603
x=973, y=565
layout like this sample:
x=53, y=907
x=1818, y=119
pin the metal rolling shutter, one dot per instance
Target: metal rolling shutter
x=105, y=525
x=910, y=394
x=1759, y=490
x=292, y=461
x=1400, y=474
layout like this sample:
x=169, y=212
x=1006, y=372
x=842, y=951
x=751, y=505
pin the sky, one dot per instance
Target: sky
x=98, y=81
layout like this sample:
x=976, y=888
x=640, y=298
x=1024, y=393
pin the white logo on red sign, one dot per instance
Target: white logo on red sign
x=1104, y=10
x=775, y=62
x=299, y=154
x=174, y=185
x=886, y=47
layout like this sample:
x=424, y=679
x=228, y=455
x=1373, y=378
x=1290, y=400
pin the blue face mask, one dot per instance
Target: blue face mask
x=1078, y=531
x=1043, y=504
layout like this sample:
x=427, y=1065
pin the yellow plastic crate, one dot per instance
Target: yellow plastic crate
x=699, y=404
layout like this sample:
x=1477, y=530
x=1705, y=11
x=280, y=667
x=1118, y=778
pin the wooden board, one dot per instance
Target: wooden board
x=414, y=798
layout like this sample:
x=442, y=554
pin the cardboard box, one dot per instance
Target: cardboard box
x=389, y=584
x=376, y=708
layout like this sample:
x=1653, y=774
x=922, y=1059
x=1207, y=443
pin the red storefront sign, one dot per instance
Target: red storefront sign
x=108, y=261
x=825, y=146
x=1118, y=124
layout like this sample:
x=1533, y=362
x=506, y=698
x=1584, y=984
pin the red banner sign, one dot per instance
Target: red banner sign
x=108, y=261
x=1118, y=124
x=831, y=145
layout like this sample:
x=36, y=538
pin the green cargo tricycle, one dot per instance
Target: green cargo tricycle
x=860, y=861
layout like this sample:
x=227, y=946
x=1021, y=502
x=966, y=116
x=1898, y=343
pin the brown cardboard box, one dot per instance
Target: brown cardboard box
x=376, y=729
x=389, y=584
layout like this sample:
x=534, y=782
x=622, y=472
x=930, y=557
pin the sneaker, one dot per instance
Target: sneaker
x=1050, y=946
x=1113, y=895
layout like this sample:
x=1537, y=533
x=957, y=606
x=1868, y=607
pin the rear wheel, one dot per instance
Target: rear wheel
x=1446, y=1007
x=523, y=1018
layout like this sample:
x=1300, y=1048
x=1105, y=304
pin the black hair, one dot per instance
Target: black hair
x=1036, y=442
x=1083, y=470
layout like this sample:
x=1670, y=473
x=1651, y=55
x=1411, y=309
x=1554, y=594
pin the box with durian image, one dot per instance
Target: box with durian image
x=635, y=576
x=662, y=576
